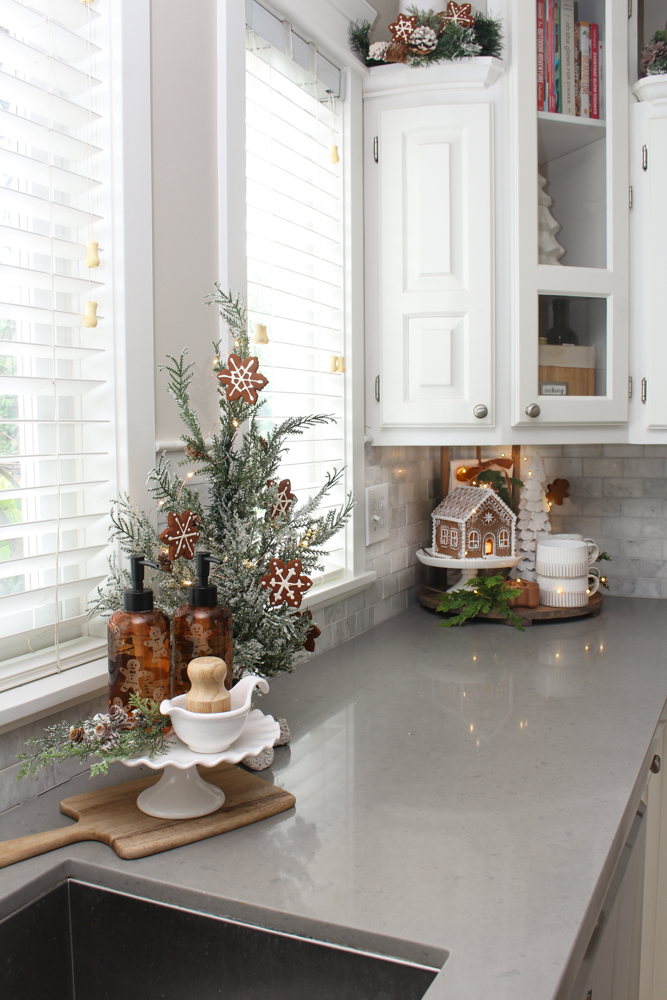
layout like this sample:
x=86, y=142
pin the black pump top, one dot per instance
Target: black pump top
x=139, y=598
x=203, y=594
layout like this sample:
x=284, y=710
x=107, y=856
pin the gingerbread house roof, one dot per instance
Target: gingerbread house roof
x=465, y=500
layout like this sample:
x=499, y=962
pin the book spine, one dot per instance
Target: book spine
x=577, y=71
x=540, y=55
x=557, y=90
x=567, y=59
x=595, y=78
x=551, y=93
x=601, y=80
x=585, y=59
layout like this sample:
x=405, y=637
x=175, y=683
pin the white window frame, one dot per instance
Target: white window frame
x=326, y=24
x=321, y=22
x=130, y=272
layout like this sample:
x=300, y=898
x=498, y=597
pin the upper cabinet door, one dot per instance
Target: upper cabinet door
x=653, y=389
x=435, y=265
x=571, y=294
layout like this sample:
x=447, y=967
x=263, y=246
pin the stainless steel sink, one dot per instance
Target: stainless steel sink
x=81, y=941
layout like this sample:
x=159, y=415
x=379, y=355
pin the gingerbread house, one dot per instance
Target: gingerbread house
x=473, y=522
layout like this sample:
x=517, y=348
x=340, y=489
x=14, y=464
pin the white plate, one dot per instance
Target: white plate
x=259, y=733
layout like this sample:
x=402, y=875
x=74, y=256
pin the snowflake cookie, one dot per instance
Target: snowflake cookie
x=241, y=379
x=285, y=582
x=181, y=535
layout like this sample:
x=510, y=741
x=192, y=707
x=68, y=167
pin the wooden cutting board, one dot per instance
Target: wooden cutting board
x=111, y=815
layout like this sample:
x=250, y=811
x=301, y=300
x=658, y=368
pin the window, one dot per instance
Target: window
x=295, y=260
x=56, y=401
x=504, y=539
x=473, y=539
x=455, y=538
x=444, y=536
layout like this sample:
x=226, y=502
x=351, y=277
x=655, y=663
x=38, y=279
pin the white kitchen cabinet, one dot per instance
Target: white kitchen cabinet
x=585, y=163
x=648, y=176
x=435, y=296
x=456, y=298
x=611, y=966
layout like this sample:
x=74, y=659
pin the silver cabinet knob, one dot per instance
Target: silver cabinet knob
x=532, y=410
x=480, y=411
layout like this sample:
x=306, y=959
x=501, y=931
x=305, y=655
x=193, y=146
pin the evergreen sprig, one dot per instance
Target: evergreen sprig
x=116, y=735
x=479, y=596
x=236, y=462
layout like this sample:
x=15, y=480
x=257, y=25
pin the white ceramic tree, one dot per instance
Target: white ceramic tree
x=549, y=249
x=533, y=519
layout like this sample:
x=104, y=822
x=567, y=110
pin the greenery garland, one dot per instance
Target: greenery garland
x=483, y=38
x=479, y=596
x=116, y=735
x=654, y=56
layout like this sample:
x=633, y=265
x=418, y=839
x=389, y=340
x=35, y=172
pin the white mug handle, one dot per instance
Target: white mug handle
x=593, y=550
x=593, y=587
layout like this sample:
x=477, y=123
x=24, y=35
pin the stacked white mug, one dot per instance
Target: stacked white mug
x=564, y=572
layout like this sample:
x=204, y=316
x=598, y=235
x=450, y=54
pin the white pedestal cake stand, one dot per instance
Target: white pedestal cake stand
x=181, y=793
x=469, y=567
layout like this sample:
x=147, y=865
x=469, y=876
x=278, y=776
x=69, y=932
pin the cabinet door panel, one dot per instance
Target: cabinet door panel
x=656, y=397
x=436, y=292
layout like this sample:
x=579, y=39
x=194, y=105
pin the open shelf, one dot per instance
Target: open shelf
x=558, y=135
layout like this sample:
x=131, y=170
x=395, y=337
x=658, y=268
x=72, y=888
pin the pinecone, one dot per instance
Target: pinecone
x=654, y=59
x=423, y=40
x=164, y=562
x=119, y=719
x=193, y=452
x=102, y=731
x=76, y=734
x=397, y=52
x=263, y=443
x=377, y=51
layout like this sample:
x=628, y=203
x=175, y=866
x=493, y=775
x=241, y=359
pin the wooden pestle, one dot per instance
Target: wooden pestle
x=208, y=692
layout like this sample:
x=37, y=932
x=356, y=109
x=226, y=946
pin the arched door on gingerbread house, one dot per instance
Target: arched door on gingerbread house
x=489, y=546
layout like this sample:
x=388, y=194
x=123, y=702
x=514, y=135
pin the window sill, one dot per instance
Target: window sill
x=346, y=585
x=56, y=692
x=41, y=698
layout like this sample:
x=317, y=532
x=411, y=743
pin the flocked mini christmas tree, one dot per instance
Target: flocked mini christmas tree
x=533, y=517
x=549, y=249
x=266, y=540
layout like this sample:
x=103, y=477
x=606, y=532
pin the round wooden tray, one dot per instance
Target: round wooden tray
x=430, y=598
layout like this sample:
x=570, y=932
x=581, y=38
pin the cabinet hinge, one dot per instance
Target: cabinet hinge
x=629, y=9
x=630, y=198
x=375, y=149
x=377, y=388
x=643, y=390
x=644, y=157
x=629, y=386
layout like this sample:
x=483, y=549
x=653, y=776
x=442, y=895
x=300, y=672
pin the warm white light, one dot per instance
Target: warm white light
x=189, y=475
x=471, y=727
x=586, y=648
x=474, y=657
x=601, y=648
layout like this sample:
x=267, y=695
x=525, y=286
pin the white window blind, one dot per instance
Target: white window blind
x=295, y=263
x=56, y=399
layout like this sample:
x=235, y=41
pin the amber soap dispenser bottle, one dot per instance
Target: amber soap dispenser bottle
x=202, y=627
x=138, y=643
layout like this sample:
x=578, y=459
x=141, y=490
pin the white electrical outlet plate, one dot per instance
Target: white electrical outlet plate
x=377, y=513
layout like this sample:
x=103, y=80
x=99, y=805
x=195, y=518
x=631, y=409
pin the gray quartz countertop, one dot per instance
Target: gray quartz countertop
x=463, y=791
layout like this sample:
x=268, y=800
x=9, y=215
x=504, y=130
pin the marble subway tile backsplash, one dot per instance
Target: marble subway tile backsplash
x=618, y=496
x=12, y=791
x=413, y=475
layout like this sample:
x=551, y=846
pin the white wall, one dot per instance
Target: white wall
x=184, y=87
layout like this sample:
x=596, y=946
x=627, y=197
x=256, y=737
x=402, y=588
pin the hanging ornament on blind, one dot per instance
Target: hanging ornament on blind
x=260, y=336
x=90, y=314
x=92, y=254
x=331, y=107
